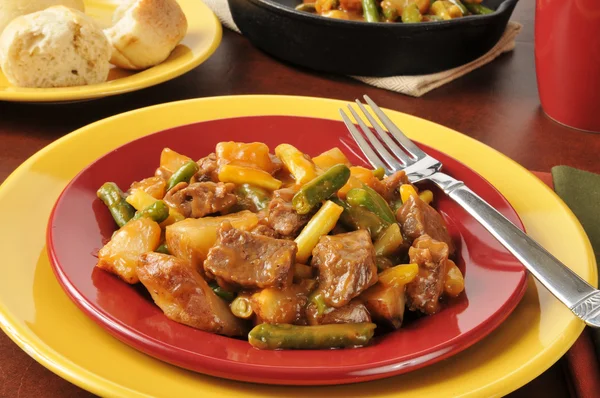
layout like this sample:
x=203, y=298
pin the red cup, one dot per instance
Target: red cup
x=567, y=60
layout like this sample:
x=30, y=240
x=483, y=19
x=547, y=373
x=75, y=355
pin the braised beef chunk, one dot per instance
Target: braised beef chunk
x=201, y=198
x=282, y=216
x=346, y=265
x=386, y=304
x=353, y=312
x=208, y=169
x=424, y=292
x=265, y=230
x=184, y=296
x=251, y=260
x=390, y=185
x=417, y=218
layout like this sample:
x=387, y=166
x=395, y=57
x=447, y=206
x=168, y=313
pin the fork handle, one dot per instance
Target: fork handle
x=578, y=295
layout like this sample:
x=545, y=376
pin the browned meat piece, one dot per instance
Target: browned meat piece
x=353, y=312
x=208, y=169
x=346, y=265
x=424, y=292
x=250, y=260
x=385, y=304
x=277, y=164
x=265, y=230
x=418, y=218
x=281, y=305
x=389, y=186
x=282, y=216
x=185, y=297
x=201, y=198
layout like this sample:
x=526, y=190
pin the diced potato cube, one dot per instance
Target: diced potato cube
x=192, y=238
x=120, y=255
x=171, y=160
x=255, y=154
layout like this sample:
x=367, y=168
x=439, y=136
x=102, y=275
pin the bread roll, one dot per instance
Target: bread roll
x=145, y=32
x=56, y=47
x=10, y=9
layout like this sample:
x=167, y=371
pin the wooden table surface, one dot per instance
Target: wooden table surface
x=497, y=104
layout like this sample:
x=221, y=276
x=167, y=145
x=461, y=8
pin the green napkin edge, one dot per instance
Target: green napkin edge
x=580, y=190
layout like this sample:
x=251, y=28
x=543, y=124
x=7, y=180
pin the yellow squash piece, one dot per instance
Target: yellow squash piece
x=140, y=200
x=302, y=168
x=246, y=175
x=320, y=224
x=426, y=196
x=399, y=275
x=406, y=191
x=120, y=255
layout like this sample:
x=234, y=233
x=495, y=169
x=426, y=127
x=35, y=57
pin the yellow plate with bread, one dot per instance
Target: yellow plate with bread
x=65, y=47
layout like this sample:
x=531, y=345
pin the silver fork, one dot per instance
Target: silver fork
x=579, y=296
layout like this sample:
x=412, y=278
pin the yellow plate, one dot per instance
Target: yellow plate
x=202, y=39
x=40, y=318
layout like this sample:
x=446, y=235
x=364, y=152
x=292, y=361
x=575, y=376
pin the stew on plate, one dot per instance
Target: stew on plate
x=290, y=251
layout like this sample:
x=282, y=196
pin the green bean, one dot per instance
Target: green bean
x=317, y=299
x=478, y=9
x=321, y=188
x=360, y=218
x=383, y=263
x=411, y=14
x=183, y=174
x=241, y=307
x=157, y=211
x=379, y=173
x=219, y=291
x=396, y=204
x=253, y=198
x=308, y=7
x=163, y=249
x=389, y=241
x=370, y=12
x=113, y=198
x=367, y=197
x=284, y=336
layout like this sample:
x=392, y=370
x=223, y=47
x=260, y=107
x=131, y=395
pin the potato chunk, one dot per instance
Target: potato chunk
x=191, y=239
x=120, y=255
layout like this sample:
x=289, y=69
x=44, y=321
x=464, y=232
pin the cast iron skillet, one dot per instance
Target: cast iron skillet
x=368, y=49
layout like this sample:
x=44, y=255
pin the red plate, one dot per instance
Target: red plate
x=80, y=223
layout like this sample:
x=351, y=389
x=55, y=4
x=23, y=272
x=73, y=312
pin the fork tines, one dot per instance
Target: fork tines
x=389, y=149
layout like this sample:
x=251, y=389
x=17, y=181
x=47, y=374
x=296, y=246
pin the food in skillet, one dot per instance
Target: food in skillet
x=407, y=11
x=291, y=251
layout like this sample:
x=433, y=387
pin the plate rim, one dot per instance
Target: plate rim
x=162, y=351
x=75, y=373
x=105, y=89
